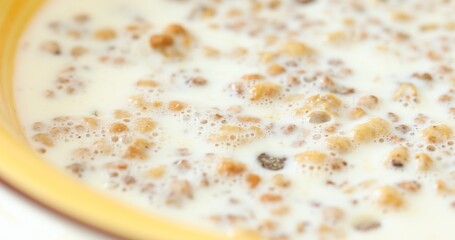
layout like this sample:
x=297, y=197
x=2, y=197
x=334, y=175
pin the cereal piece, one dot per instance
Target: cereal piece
x=253, y=180
x=176, y=106
x=121, y=114
x=332, y=215
x=312, y=158
x=371, y=130
x=145, y=125
x=437, y=133
x=336, y=37
x=231, y=167
x=423, y=76
x=51, y=47
x=81, y=18
x=265, y=90
x=175, y=30
x=267, y=57
x=275, y=70
x=248, y=119
x=138, y=149
x=410, y=186
x=236, y=134
x=305, y=1
x=327, y=102
x=179, y=190
x=357, y=113
x=147, y=84
x=157, y=172
x=270, y=197
x=106, y=34
x=197, y=81
x=78, y=51
x=339, y=144
x=289, y=129
x=337, y=164
x=129, y=180
x=160, y=42
x=369, y=102
x=270, y=162
x=280, y=211
x=367, y=225
x=76, y=168
x=328, y=84
x=398, y=157
x=318, y=117
x=253, y=77
x=183, y=164
x=239, y=52
x=91, y=122
x=118, y=128
x=82, y=153
x=393, y=117
x=44, y=139
x=297, y=49
x=280, y=181
x=211, y=52
x=401, y=16
x=442, y=188
x=424, y=161
x=387, y=196
x=38, y=126
x=403, y=128
x=102, y=147
x=406, y=92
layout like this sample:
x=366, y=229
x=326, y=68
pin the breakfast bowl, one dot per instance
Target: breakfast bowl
x=272, y=119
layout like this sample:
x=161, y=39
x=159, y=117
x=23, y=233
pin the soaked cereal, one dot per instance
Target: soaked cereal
x=284, y=119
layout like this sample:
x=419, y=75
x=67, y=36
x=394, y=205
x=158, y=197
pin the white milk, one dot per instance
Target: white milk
x=164, y=128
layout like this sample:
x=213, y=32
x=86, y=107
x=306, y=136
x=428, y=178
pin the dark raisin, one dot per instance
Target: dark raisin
x=271, y=163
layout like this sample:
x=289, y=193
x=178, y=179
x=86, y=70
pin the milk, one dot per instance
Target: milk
x=180, y=174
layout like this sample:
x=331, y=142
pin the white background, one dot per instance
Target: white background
x=21, y=219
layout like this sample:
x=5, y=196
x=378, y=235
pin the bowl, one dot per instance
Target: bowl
x=34, y=178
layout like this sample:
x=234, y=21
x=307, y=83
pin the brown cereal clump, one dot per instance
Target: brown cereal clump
x=160, y=41
x=318, y=117
x=231, y=167
x=51, y=47
x=263, y=91
x=270, y=197
x=371, y=130
x=118, y=128
x=312, y=158
x=275, y=70
x=398, y=157
x=253, y=180
x=339, y=144
x=388, y=196
x=138, y=149
x=297, y=49
x=44, y=139
x=145, y=125
x=176, y=106
x=437, y=133
x=410, y=186
x=105, y=34
x=270, y=162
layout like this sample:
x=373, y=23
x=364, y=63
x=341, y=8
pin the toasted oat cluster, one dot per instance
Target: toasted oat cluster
x=274, y=119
